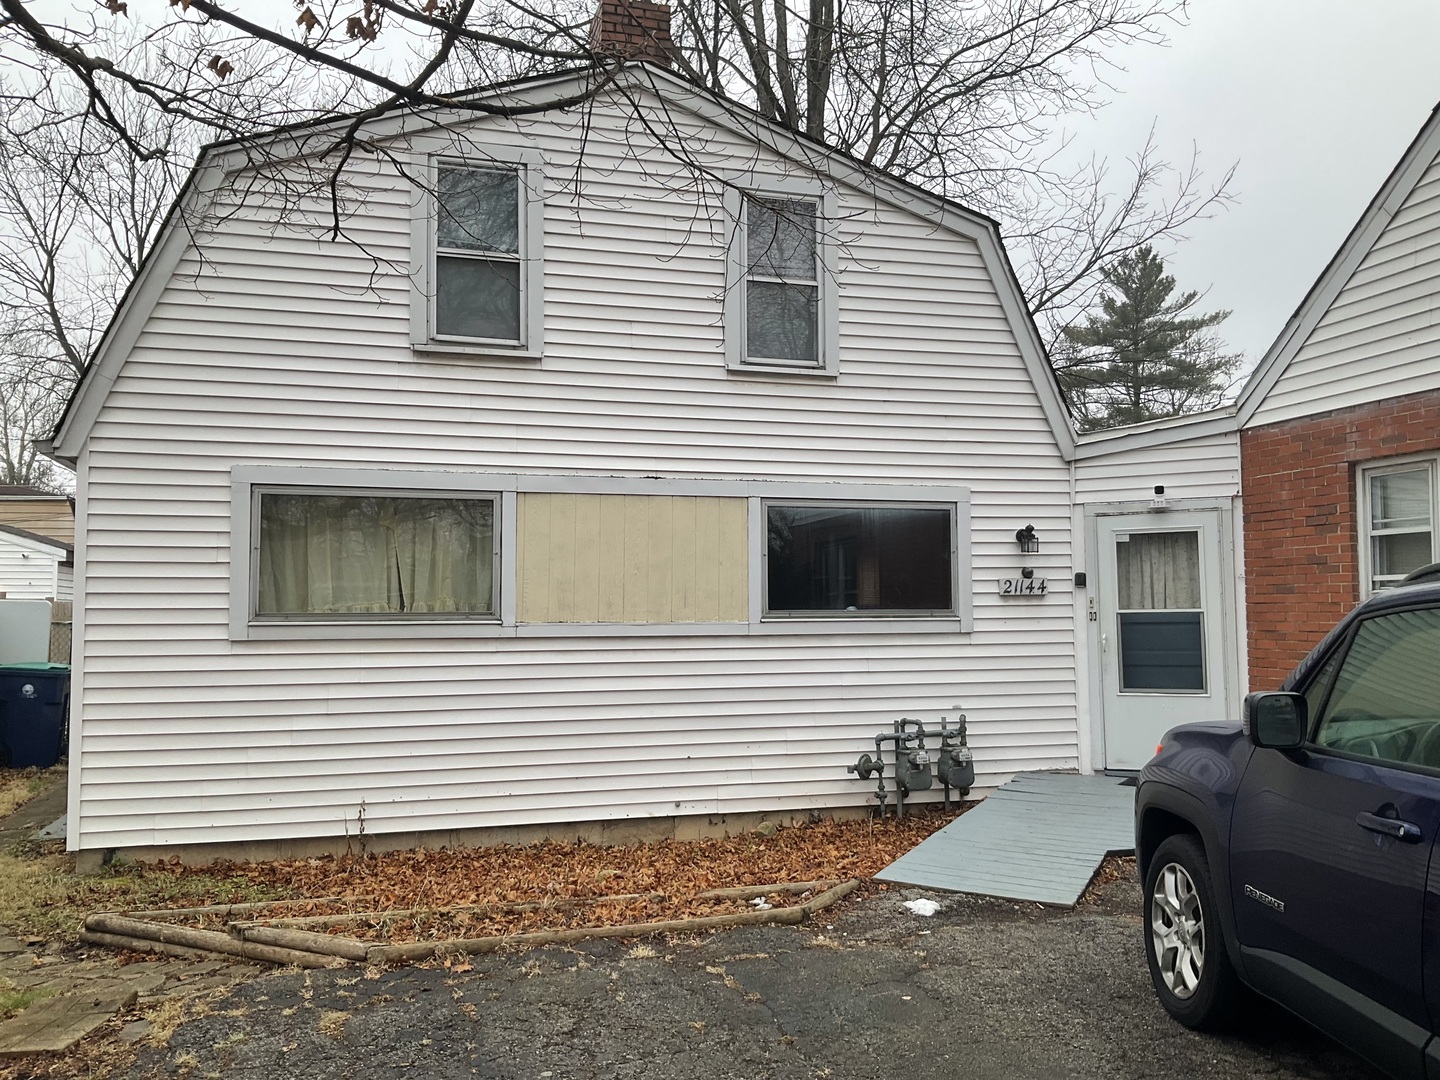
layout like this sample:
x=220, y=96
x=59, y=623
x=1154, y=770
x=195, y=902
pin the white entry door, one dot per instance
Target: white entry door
x=1162, y=627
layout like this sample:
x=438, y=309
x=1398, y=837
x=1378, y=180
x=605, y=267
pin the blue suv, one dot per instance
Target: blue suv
x=1291, y=854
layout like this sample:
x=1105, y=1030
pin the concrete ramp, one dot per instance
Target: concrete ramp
x=1040, y=837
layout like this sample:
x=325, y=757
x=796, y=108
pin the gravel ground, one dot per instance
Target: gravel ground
x=984, y=989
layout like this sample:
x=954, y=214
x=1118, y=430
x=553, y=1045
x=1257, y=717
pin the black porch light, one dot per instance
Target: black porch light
x=1028, y=541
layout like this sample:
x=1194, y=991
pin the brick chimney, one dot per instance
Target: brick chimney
x=632, y=30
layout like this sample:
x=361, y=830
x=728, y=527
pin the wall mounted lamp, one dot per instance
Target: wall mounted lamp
x=1028, y=541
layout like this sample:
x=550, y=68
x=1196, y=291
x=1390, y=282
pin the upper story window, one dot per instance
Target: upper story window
x=782, y=287
x=1397, y=520
x=780, y=295
x=479, y=254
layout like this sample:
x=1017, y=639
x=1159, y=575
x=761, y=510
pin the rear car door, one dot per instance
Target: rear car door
x=1331, y=844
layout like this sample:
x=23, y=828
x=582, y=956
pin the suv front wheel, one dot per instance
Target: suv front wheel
x=1183, y=940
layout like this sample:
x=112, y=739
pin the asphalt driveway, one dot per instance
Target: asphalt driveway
x=981, y=990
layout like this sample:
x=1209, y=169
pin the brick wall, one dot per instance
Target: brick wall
x=1302, y=564
x=632, y=29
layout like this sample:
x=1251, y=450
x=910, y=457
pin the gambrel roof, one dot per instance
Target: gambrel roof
x=218, y=159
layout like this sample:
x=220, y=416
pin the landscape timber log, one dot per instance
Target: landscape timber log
x=224, y=909
x=305, y=941
x=829, y=896
x=206, y=940
x=134, y=944
x=390, y=954
x=746, y=892
x=299, y=921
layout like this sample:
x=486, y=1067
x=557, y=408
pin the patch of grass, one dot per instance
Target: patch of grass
x=19, y=786
x=333, y=1022
x=44, y=896
x=13, y=1000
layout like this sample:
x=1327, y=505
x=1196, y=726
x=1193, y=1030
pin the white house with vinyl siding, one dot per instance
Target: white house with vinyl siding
x=551, y=499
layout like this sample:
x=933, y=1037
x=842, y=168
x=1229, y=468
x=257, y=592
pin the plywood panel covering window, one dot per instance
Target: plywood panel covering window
x=631, y=559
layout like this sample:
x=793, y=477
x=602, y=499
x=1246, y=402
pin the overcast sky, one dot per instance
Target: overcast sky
x=1314, y=99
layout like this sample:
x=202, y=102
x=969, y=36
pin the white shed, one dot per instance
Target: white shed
x=34, y=567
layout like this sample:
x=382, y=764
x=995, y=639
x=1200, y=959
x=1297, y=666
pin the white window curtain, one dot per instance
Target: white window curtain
x=1159, y=571
x=368, y=554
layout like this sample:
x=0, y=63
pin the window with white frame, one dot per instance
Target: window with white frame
x=1397, y=521
x=479, y=239
x=833, y=559
x=339, y=554
x=780, y=294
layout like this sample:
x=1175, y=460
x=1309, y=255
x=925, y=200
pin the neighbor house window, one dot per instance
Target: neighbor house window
x=479, y=276
x=780, y=306
x=1398, y=521
x=869, y=560
x=322, y=554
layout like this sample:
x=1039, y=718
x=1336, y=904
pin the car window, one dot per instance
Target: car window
x=1385, y=703
x=1320, y=686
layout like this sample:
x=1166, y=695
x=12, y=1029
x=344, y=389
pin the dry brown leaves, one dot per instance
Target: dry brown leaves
x=554, y=874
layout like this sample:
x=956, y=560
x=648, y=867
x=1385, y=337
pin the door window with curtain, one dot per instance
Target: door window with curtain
x=366, y=555
x=1160, y=615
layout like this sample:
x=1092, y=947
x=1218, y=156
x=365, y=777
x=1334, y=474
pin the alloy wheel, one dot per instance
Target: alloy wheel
x=1177, y=927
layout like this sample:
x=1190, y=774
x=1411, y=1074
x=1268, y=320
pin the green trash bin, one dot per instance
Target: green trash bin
x=34, y=711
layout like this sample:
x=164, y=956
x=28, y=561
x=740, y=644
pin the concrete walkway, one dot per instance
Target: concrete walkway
x=34, y=815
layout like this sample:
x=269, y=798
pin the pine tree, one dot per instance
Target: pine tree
x=1143, y=357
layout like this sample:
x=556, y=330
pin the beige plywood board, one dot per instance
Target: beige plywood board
x=631, y=558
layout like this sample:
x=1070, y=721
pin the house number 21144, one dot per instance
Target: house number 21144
x=1022, y=586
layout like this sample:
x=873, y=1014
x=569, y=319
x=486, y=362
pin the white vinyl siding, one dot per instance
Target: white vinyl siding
x=1381, y=336
x=288, y=350
x=1201, y=467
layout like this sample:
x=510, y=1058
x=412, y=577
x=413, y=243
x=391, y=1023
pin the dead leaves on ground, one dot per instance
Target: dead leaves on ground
x=562, y=881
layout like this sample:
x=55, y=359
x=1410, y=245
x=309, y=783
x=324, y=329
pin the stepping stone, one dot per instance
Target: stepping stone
x=58, y=1023
x=54, y=831
x=9, y=946
x=134, y=1031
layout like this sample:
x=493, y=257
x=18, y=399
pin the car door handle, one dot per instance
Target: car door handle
x=1407, y=831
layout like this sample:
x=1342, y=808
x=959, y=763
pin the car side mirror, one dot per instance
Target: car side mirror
x=1276, y=719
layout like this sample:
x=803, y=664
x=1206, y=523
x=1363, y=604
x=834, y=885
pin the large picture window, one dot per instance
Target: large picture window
x=336, y=555
x=866, y=560
x=1398, y=519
